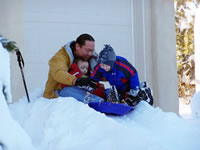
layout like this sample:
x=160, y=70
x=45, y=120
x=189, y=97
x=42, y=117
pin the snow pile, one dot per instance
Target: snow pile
x=12, y=135
x=195, y=105
x=65, y=123
x=5, y=73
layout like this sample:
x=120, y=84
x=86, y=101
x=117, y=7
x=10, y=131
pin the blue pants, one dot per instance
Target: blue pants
x=79, y=94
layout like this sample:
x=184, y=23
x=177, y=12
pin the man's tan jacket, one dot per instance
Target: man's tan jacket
x=59, y=65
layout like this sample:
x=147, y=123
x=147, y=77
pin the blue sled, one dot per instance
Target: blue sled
x=111, y=108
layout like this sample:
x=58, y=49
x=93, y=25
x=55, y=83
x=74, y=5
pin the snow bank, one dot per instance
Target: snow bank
x=5, y=73
x=65, y=123
x=12, y=135
x=195, y=105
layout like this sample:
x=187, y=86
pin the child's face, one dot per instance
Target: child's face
x=83, y=66
x=105, y=67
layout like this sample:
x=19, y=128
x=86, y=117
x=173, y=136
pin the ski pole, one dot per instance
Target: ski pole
x=21, y=65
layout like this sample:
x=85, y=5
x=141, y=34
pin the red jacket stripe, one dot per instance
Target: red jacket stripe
x=94, y=72
x=123, y=65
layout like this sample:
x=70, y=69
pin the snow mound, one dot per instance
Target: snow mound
x=65, y=123
x=195, y=105
x=5, y=73
x=12, y=135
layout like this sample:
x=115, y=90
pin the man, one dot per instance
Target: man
x=59, y=66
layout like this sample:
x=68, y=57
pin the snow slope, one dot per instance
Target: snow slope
x=195, y=105
x=5, y=72
x=12, y=135
x=66, y=124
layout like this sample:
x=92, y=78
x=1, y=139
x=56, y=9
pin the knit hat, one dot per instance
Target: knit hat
x=107, y=56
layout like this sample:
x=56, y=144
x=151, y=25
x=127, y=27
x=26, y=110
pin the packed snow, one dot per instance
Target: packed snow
x=67, y=124
x=195, y=105
x=5, y=73
x=12, y=135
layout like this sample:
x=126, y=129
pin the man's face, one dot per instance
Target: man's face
x=85, y=51
x=83, y=66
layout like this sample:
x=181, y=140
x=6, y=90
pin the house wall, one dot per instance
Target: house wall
x=163, y=50
x=12, y=27
x=141, y=30
x=50, y=25
x=155, y=44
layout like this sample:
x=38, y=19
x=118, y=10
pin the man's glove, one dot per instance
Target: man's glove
x=86, y=82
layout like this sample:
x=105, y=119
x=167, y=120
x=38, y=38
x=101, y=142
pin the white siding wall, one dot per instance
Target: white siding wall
x=49, y=24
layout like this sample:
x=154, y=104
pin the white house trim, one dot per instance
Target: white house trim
x=132, y=29
x=139, y=37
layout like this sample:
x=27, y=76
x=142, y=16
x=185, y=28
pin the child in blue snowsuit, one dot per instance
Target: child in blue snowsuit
x=119, y=73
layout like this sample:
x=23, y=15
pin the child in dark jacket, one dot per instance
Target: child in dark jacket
x=80, y=69
x=120, y=74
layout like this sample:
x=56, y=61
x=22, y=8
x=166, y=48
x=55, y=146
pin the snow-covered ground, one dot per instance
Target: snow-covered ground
x=185, y=110
x=65, y=123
